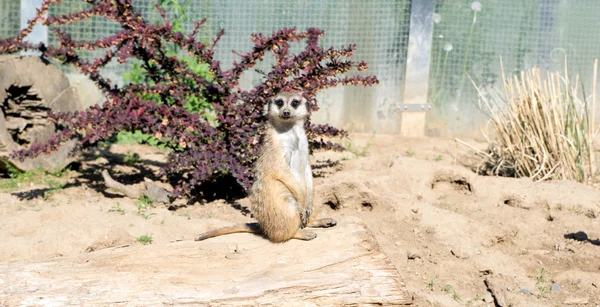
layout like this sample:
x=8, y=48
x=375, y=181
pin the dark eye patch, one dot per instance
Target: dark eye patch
x=279, y=102
x=295, y=103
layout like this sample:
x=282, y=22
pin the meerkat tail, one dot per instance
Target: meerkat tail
x=239, y=228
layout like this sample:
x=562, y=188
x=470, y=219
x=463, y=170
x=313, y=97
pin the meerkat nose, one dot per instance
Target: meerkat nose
x=286, y=113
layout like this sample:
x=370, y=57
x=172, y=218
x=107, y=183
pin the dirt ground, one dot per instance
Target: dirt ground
x=456, y=238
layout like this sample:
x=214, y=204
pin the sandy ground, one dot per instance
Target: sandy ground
x=454, y=237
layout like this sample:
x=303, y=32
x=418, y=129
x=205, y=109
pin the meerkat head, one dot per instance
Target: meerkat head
x=287, y=107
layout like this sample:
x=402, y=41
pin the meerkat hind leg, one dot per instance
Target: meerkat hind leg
x=248, y=227
x=322, y=223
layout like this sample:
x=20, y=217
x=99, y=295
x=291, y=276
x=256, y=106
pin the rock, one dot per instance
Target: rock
x=412, y=254
x=555, y=287
x=29, y=88
x=525, y=291
x=497, y=285
x=85, y=87
x=560, y=245
x=488, y=298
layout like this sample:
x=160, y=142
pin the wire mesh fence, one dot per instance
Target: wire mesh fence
x=10, y=17
x=469, y=37
x=379, y=28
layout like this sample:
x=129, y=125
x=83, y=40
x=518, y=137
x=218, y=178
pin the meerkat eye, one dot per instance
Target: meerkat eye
x=279, y=102
x=295, y=103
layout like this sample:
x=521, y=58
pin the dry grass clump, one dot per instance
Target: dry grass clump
x=544, y=130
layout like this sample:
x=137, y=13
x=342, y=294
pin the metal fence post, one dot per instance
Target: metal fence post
x=414, y=107
x=40, y=32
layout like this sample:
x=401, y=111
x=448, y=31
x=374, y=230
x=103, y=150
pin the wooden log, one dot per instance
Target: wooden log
x=343, y=266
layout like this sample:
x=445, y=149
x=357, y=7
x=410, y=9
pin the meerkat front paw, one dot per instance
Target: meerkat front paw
x=305, y=216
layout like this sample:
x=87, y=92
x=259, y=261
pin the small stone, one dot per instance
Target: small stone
x=555, y=287
x=488, y=298
x=398, y=243
x=575, y=301
x=525, y=291
x=413, y=255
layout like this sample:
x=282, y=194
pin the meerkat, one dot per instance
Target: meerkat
x=282, y=193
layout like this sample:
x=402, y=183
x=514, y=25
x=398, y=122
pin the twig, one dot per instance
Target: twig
x=154, y=192
x=130, y=192
x=472, y=147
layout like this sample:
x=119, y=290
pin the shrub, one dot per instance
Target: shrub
x=163, y=105
x=544, y=130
